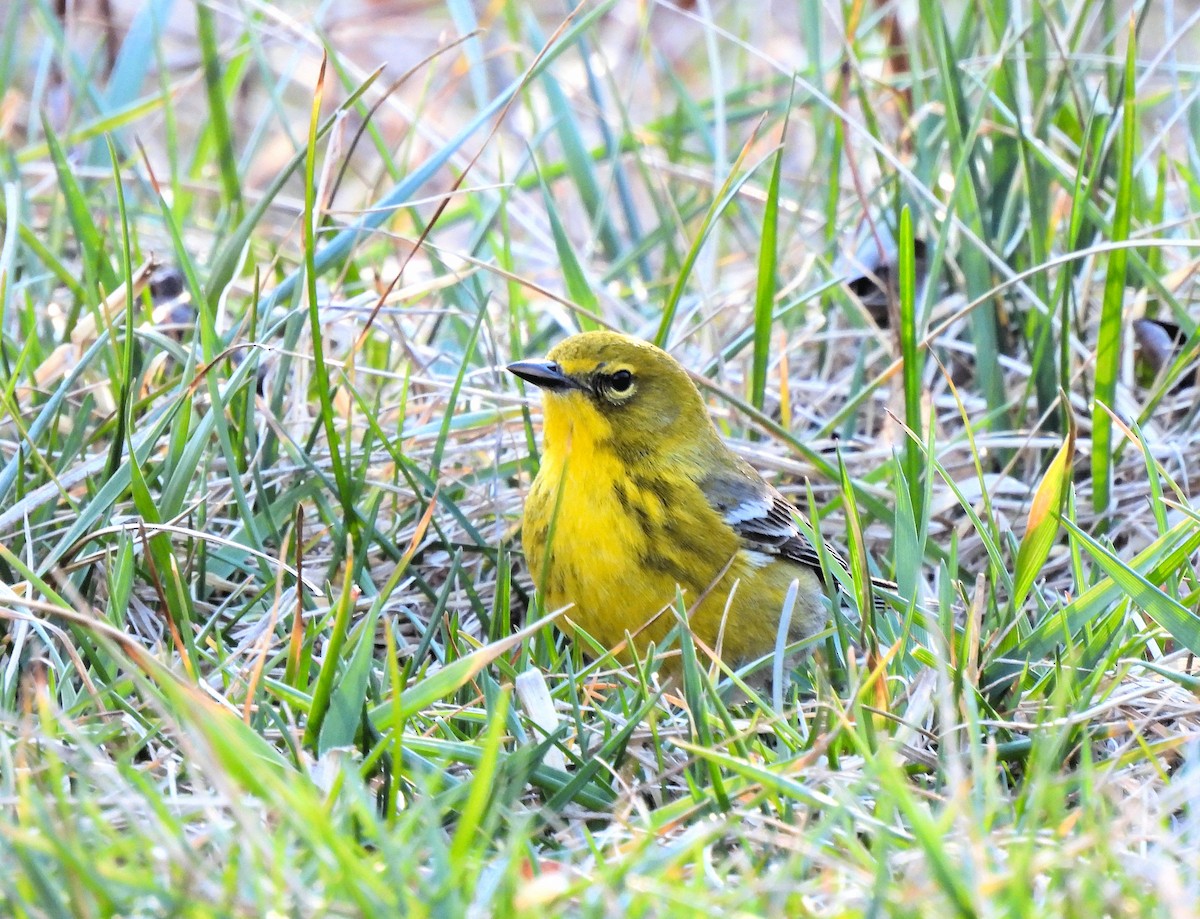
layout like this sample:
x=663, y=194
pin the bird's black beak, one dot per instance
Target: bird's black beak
x=546, y=374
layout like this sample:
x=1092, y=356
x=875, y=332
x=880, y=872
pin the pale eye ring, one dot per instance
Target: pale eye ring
x=620, y=381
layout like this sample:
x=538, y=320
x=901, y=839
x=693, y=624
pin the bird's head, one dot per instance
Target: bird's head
x=617, y=392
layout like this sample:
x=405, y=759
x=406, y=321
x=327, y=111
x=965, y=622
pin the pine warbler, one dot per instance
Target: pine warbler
x=638, y=496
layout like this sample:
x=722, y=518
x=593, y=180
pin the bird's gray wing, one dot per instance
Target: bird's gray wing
x=761, y=517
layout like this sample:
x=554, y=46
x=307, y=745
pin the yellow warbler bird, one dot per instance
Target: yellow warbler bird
x=638, y=495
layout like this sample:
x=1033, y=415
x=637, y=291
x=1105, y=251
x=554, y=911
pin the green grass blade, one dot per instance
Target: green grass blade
x=1108, y=345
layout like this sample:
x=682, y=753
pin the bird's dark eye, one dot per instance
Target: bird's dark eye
x=620, y=381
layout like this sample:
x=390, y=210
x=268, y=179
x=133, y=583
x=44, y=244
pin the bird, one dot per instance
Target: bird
x=638, y=500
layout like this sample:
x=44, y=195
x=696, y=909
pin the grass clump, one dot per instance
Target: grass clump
x=267, y=646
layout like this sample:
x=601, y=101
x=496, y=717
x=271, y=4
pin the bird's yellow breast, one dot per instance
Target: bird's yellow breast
x=609, y=541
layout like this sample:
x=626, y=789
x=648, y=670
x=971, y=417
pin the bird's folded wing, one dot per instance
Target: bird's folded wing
x=761, y=517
